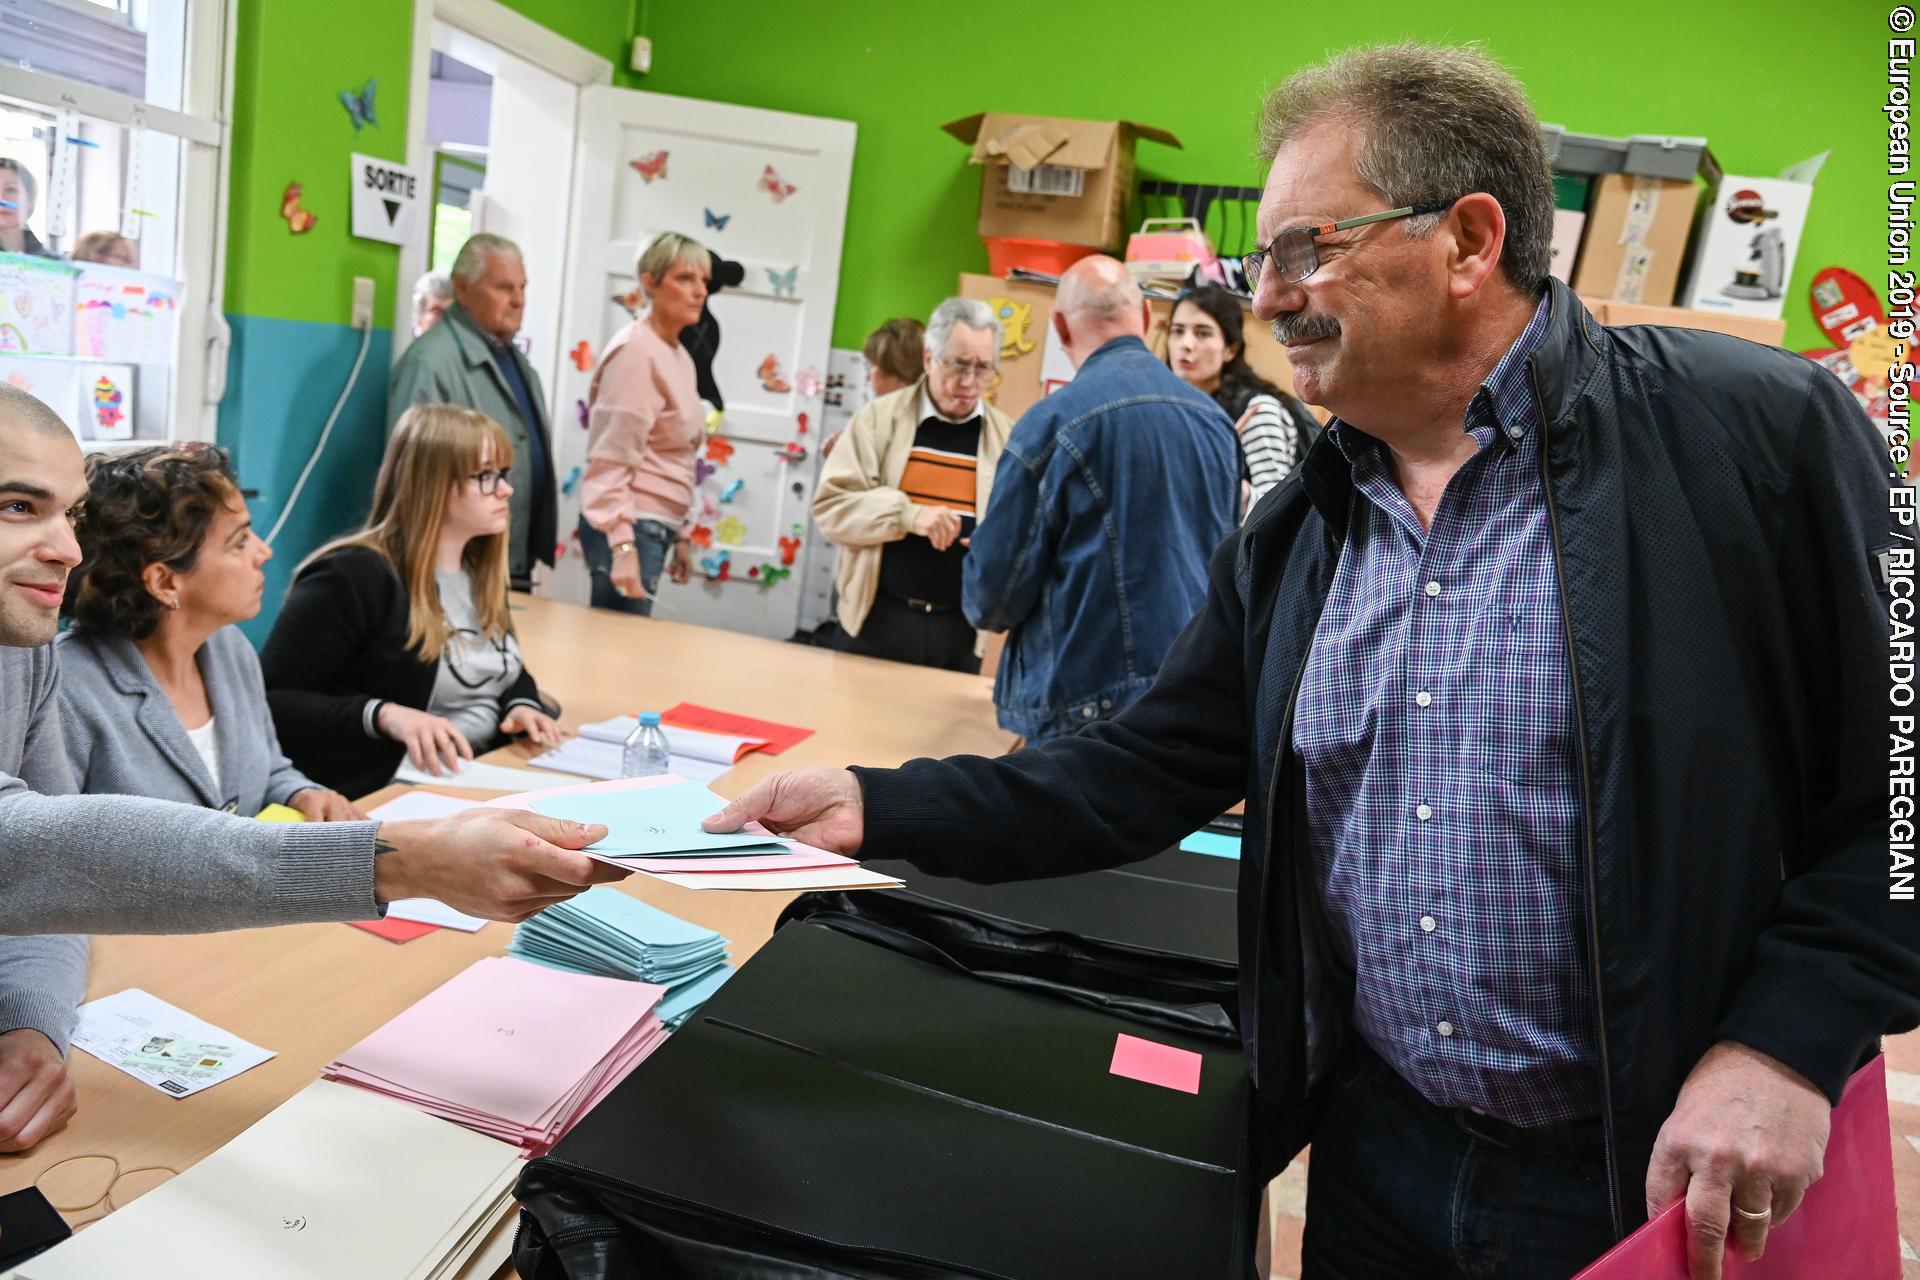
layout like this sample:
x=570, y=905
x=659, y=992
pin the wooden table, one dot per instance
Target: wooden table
x=310, y=991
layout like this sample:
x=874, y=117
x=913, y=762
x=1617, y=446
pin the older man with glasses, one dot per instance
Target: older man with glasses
x=900, y=494
x=1556, y=682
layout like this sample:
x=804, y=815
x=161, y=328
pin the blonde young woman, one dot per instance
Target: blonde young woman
x=646, y=427
x=395, y=641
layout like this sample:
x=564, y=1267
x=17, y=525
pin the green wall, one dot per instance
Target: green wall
x=1768, y=83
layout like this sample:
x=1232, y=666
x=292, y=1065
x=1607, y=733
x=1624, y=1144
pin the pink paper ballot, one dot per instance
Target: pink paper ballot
x=1845, y=1226
x=1160, y=1064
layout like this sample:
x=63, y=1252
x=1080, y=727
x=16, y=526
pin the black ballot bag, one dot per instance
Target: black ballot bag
x=840, y=1111
x=1153, y=941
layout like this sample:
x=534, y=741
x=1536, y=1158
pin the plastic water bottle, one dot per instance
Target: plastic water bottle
x=646, y=751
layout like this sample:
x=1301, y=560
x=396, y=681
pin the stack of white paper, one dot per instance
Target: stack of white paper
x=479, y=775
x=335, y=1182
x=513, y=1050
x=603, y=931
x=694, y=754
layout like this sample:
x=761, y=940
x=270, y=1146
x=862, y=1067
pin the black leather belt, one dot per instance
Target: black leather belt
x=1569, y=1141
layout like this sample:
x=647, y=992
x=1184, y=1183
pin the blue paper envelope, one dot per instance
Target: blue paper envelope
x=653, y=821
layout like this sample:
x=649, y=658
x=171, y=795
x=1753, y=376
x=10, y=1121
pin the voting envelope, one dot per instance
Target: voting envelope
x=1846, y=1226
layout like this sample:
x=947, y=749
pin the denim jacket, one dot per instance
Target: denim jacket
x=1110, y=497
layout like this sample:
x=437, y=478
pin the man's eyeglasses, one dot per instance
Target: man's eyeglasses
x=488, y=482
x=967, y=370
x=1294, y=253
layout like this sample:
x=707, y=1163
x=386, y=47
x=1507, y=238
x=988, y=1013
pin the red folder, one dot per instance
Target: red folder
x=778, y=737
x=1845, y=1227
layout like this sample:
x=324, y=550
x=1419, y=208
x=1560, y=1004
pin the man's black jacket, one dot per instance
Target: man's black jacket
x=1716, y=509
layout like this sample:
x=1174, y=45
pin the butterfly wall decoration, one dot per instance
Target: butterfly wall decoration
x=701, y=536
x=717, y=566
x=299, y=221
x=651, y=166
x=702, y=469
x=785, y=282
x=771, y=574
x=719, y=450
x=582, y=356
x=775, y=185
x=731, y=530
x=789, y=548
x=629, y=302
x=360, y=105
x=770, y=379
x=732, y=490
x=718, y=221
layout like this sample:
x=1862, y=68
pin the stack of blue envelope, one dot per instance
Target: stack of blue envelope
x=605, y=932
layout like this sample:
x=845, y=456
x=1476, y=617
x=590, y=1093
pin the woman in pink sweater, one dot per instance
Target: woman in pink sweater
x=646, y=423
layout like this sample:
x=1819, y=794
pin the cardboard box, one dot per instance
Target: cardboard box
x=1026, y=318
x=1752, y=328
x=1570, y=191
x=1048, y=178
x=1640, y=217
x=1748, y=237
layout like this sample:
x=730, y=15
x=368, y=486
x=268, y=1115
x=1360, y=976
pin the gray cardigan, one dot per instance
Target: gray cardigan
x=124, y=737
x=127, y=864
x=42, y=980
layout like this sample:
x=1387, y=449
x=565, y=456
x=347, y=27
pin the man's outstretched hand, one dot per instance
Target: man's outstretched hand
x=820, y=807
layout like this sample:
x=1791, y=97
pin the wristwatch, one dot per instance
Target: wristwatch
x=624, y=546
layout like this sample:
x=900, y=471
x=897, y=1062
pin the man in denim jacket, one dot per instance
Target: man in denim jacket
x=1109, y=499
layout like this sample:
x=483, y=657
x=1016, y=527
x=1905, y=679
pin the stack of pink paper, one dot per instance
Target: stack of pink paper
x=513, y=1050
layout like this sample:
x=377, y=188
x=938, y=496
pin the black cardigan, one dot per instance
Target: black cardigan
x=340, y=643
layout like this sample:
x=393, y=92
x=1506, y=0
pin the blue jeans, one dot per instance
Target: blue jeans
x=1396, y=1188
x=651, y=539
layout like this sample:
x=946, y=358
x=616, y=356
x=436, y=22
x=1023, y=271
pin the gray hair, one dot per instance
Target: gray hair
x=668, y=248
x=431, y=285
x=1437, y=123
x=970, y=312
x=471, y=263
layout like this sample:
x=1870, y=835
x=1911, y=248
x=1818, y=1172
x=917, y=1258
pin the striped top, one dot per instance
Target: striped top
x=1271, y=442
x=938, y=477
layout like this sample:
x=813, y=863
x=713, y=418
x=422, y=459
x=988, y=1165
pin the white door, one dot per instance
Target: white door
x=768, y=190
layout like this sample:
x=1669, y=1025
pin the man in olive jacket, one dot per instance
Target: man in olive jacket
x=469, y=359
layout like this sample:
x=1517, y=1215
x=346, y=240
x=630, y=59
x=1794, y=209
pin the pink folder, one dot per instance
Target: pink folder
x=1846, y=1226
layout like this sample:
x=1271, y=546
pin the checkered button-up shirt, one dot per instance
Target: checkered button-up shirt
x=1435, y=721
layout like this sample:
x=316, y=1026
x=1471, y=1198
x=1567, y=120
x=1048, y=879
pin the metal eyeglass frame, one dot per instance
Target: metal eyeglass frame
x=1308, y=236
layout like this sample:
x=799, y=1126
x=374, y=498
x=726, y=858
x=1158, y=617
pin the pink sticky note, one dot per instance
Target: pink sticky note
x=1160, y=1064
x=396, y=930
x=1846, y=1226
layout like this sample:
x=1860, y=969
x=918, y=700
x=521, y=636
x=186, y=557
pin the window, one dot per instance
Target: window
x=112, y=213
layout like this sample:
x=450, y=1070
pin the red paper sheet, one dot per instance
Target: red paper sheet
x=396, y=930
x=1846, y=1226
x=1155, y=1063
x=778, y=737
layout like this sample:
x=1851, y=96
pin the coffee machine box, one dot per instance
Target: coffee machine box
x=1749, y=233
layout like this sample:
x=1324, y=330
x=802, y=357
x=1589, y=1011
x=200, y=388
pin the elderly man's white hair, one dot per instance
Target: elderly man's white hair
x=970, y=312
x=431, y=285
x=471, y=263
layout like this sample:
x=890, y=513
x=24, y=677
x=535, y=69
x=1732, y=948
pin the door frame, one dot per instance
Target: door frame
x=493, y=22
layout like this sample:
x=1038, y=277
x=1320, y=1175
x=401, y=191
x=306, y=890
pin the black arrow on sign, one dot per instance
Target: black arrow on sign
x=393, y=210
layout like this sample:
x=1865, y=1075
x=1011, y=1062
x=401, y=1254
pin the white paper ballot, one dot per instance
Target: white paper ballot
x=335, y=1182
x=431, y=911
x=482, y=776
x=596, y=758
x=165, y=1047
x=418, y=804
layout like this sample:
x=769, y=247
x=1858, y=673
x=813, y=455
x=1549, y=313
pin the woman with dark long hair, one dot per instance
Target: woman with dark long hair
x=1206, y=347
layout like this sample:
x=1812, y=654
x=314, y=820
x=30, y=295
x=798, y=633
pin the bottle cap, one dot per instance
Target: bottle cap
x=650, y=718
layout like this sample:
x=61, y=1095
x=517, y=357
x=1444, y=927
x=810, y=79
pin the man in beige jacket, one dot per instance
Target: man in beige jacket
x=900, y=493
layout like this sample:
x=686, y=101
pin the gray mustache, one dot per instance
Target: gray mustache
x=1297, y=328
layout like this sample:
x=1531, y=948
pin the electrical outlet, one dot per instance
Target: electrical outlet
x=363, y=302
x=642, y=59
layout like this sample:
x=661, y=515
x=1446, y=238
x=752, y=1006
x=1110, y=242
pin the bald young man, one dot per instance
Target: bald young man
x=125, y=864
